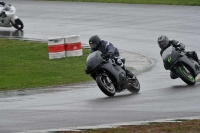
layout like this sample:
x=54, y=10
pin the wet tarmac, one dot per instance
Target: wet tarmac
x=132, y=28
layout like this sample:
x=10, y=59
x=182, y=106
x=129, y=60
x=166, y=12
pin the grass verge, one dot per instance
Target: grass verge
x=164, y=2
x=186, y=126
x=27, y=65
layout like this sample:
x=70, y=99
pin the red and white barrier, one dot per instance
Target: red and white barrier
x=73, y=46
x=56, y=48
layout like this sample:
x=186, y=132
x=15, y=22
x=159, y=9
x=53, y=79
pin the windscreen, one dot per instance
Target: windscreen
x=167, y=53
x=94, y=59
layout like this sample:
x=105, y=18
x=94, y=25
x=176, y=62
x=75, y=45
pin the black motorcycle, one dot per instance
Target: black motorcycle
x=110, y=77
x=179, y=64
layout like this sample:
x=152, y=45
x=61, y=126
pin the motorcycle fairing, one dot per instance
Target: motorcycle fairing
x=190, y=62
x=170, y=56
x=116, y=71
x=5, y=23
x=10, y=16
x=93, y=60
x=119, y=75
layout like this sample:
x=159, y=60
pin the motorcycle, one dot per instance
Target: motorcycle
x=9, y=19
x=181, y=65
x=109, y=76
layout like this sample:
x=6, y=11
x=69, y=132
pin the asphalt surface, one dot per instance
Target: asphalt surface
x=132, y=28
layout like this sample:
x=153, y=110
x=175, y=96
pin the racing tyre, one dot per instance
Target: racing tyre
x=18, y=24
x=184, y=73
x=106, y=85
x=133, y=85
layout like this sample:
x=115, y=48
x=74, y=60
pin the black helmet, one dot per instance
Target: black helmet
x=94, y=41
x=163, y=41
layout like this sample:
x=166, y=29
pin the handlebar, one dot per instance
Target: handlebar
x=105, y=58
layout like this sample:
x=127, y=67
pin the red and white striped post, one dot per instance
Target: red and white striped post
x=56, y=48
x=73, y=46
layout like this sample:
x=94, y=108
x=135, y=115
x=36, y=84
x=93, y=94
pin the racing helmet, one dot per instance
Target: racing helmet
x=163, y=41
x=94, y=41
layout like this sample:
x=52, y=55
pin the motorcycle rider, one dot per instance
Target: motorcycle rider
x=108, y=51
x=2, y=13
x=164, y=43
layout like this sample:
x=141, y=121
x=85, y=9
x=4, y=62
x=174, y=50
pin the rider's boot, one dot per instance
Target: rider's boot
x=128, y=73
x=199, y=62
x=173, y=76
x=197, y=78
x=121, y=63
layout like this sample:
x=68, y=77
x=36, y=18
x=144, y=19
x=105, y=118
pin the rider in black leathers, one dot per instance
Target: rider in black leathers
x=164, y=43
x=108, y=51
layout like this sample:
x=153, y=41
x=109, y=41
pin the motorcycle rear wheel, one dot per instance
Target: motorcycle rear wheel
x=18, y=24
x=133, y=85
x=106, y=85
x=184, y=73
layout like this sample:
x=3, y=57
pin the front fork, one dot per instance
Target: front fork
x=12, y=20
x=107, y=78
x=185, y=68
x=187, y=72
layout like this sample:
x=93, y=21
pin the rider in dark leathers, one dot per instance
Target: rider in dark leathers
x=164, y=43
x=108, y=51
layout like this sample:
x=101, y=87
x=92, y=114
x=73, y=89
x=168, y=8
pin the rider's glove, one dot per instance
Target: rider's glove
x=109, y=55
x=182, y=46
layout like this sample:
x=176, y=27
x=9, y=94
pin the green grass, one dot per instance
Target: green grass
x=27, y=65
x=189, y=126
x=165, y=2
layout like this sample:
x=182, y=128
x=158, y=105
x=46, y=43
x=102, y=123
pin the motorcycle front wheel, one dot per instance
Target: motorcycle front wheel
x=133, y=85
x=184, y=73
x=106, y=85
x=18, y=24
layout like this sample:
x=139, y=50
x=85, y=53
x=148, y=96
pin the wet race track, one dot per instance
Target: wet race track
x=134, y=28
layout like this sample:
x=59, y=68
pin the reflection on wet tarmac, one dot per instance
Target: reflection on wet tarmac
x=12, y=33
x=29, y=91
